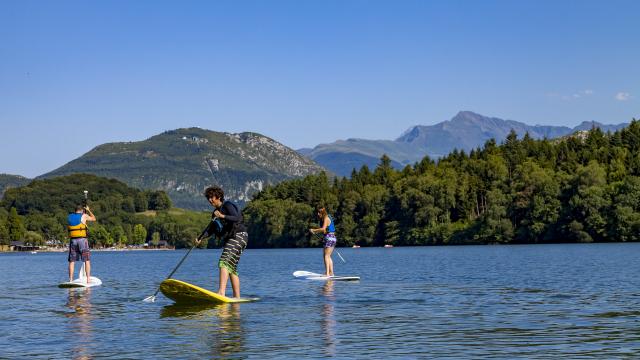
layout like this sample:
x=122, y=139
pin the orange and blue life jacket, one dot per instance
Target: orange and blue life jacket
x=76, y=228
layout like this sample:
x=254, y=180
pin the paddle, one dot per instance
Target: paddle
x=152, y=298
x=337, y=252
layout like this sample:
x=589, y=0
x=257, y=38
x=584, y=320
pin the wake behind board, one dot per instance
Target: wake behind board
x=81, y=281
x=185, y=293
x=306, y=275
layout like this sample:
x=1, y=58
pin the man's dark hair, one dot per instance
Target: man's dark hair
x=214, y=191
x=79, y=207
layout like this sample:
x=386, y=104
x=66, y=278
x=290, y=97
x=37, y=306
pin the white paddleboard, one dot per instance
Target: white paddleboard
x=81, y=281
x=307, y=275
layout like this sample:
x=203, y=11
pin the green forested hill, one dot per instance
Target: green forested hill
x=184, y=162
x=38, y=213
x=577, y=189
x=9, y=181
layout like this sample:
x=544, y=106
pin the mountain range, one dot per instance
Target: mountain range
x=465, y=131
x=184, y=162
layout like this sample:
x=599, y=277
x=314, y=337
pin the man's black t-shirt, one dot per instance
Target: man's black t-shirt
x=233, y=222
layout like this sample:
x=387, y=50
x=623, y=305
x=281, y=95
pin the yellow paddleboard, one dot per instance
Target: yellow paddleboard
x=185, y=293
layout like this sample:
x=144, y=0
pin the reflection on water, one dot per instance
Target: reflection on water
x=190, y=311
x=328, y=291
x=80, y=328
x=229, y=338
x=328, y=319
x=222, y=322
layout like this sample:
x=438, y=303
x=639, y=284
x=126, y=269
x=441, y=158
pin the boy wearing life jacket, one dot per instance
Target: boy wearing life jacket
x=79, y=239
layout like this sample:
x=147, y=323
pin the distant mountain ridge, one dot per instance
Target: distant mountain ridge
x=8, y=181
x=465, y=131
x=184, y=162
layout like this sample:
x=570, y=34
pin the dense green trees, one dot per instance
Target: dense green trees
x=582, y=188
x=159, y=200
x=15, y=227
x=278, y=223
x=38, y=213
x=139, y=234
x=4, y=233
x=33, y=238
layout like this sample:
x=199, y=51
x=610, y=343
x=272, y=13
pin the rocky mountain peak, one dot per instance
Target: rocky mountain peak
x=183, y=162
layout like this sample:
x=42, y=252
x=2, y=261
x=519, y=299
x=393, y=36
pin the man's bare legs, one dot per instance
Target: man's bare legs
x=235, y=283
x=87, y=270
x=71, y=268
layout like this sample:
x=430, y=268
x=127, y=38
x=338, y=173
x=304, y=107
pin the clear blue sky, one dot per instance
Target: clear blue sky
x=76, y=74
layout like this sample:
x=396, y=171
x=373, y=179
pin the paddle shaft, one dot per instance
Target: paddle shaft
x=175, y=269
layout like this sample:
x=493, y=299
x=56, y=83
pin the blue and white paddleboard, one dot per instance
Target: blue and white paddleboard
x=307, y=275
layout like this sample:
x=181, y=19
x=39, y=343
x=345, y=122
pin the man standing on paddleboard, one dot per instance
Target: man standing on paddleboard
x=79, y=239
x=226, y=223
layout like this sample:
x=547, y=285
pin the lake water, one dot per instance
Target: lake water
x=537, y=301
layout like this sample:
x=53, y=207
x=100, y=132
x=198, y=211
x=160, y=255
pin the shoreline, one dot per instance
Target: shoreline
x=58, y=250
x=65, y=249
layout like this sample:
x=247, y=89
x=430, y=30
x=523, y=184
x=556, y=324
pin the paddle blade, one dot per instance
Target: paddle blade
x=151, y=298
x=82, y=275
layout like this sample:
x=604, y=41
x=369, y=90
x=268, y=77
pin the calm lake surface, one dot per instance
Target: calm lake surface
x=537, y=301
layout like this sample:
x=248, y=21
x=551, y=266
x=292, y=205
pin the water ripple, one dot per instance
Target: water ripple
x=577, y=301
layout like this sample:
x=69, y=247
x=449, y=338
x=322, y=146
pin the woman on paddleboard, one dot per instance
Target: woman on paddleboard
x=329, y=230
x=226, y=223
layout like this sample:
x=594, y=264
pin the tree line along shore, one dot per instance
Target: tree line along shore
x=581, y=188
